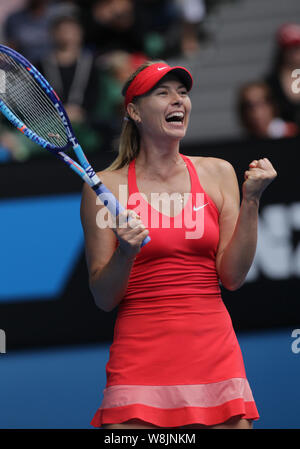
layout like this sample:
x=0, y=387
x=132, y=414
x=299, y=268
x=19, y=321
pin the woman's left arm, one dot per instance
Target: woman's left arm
x=238, y=224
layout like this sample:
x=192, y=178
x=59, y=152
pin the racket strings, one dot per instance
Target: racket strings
x=26, y=99
x=22, y=107
x=30, y=108
x=37, y=115
x=31, y=111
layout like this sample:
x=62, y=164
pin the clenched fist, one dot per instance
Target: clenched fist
x=260, y=174
x=130, y=232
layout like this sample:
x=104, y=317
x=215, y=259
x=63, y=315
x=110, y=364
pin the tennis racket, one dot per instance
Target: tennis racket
x=29, y=102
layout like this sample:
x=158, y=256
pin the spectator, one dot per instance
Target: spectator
x=116, y=66
x=110, y=26
x=65, y=8
x=14, y=146
x=6, y=9
x=193, y=13
x=171, y=27
x=159, y=25
x=72, y=72
x=134, y=26
x=280, y=77
x=27, y=30
x=258, y=113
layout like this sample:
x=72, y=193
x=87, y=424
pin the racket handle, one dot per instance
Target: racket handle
x=145, y=241
x=113, y=205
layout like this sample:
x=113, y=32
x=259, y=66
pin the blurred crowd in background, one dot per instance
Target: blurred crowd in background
x=270, y=107
x=88, y=48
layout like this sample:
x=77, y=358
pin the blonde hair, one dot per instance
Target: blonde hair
x=129, y=144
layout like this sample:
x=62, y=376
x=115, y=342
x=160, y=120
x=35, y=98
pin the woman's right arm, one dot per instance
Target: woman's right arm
x=109, y=267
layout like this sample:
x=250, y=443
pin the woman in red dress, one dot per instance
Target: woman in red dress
x=175, y=361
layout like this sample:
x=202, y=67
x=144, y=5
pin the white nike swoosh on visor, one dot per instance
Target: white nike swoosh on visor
x=200, y=207
x=161, y=68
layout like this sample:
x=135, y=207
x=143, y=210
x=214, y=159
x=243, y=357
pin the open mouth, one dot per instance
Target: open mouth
x=175, y=117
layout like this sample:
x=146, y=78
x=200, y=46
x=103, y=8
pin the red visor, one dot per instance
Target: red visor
x=289, y=35
x=150, y=76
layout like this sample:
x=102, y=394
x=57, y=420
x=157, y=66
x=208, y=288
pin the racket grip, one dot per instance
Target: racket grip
x=113, y=205
x=145, y=241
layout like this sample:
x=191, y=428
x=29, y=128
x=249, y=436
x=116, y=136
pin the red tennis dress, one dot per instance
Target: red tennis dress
x=175, y=359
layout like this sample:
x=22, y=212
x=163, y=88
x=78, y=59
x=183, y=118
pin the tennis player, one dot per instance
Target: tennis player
x=175, y=361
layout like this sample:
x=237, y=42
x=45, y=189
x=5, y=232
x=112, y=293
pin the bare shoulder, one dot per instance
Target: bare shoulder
x=217, y=176
x=219, y=171
x=214, y=165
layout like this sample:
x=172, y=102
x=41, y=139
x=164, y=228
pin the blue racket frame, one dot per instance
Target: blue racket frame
x=83, y=168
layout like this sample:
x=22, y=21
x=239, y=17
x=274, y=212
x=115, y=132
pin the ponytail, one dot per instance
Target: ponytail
x=129, y=145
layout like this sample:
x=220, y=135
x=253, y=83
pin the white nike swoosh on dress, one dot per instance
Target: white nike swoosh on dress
x=200, y=207
x=161, y=68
